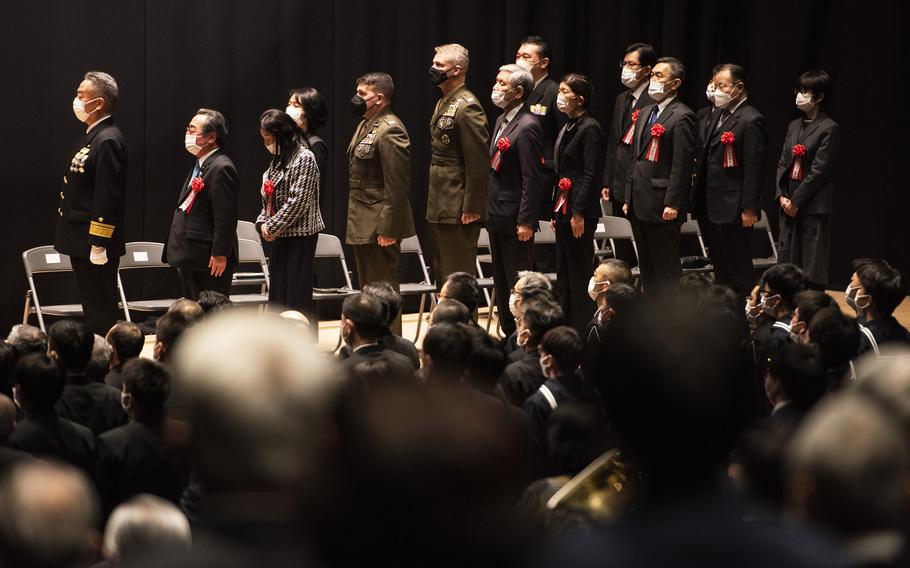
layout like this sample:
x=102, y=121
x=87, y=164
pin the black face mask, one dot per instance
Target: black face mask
x=358, y=105
x=438, y=75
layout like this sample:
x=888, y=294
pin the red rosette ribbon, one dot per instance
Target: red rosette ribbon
x=727, y=140
x=562, y=204
x=268, y=189
x=627, y=139
x=657, y=132
x=196, y=186
x=502, y=146
x=796, y=172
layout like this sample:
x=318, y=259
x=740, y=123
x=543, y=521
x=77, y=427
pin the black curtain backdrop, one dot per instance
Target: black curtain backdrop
x=171, y=57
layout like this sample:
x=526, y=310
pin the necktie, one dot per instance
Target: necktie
x=723, y=116
x=653, y=118
x=627, y=113
x=196, y=171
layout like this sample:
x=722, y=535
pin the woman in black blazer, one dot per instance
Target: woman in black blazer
x=579, y=157
x=307, y=107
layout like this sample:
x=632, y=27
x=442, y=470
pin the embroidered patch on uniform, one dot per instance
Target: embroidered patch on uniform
x=445, y=122
x=78, y=162
x=99, y=229
x=538, y=109
x=445, y=139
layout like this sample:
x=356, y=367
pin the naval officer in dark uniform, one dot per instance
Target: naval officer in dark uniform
x=90, y=212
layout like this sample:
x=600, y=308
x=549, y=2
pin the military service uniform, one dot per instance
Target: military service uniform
x=379, y=178
x=459, y=172
x=90, y=213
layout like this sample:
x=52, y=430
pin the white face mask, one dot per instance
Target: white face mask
x=272, y=148
x=294, y=113
x=769, y=303
x=513, y=305
x=752, y=312
x=722, y=99
x=709, y=93
x=628, y=77
x=657, y=90
x=593, y=286
x=79, y=110
x=499, y=98
x=804, y=102
x=189, y=142
x=524, y=64
x=562, y=103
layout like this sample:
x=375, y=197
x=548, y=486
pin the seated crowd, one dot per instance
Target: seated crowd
x=691, y=432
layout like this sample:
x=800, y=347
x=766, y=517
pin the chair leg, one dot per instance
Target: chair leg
x=423, y=299
x=28, y=303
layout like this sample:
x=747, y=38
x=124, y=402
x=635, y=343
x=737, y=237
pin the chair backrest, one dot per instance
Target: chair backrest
x=247, y=230
x=45, y=259
x=250, y=251
x=329, y=246
x=411, y=245
x=690, y=227
x=615, y=228
x=142, y=254
x=546, y=235
x=483, y=240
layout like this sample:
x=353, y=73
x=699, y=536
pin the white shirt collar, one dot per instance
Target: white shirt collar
x=203, y=157
x=737, y=105
x=511, y=114
x=359, y=347
x=637, y=91
x=96, y=123
x=663, y=104
x=539, y=81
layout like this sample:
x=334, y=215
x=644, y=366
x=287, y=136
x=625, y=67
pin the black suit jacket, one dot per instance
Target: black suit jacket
x=93, y=405
x=401, y=372
x=394, y=343
x=725, y=192
x=814, y=194
x=542, y=104
x=619, y=156
x=581, y=160
x=210, y=228
x=666, y=182
x=93, y=195
x=58, y=438
x=522, y=378
x=513, y=194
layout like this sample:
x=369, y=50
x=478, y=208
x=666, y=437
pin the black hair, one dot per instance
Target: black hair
x=737, y=72
x=677, y=69
x=168, y=330
x=536, y=293
x=449, y=347
x=214, y=122
x=314, y=108
x=367, y=313
x=40, y=380
x=387, y=294
x=288, y=136
x=211, y=301
x=836, y=335
x=126, y=339
x=149, y=384
x=539, y=317
x=565, y=346
x=799, y=370
x=543, y=48
x=621, y=297
x=581, y=86
x=8, y=358
x=809, y=302
x=816, y=82
x=647, y=56
x=488, y=361
x=787, y=280
x=881, y=281
x=380, y=82
x=451, y=311
x=463, y=287
x=72, y=341
x=575, y=437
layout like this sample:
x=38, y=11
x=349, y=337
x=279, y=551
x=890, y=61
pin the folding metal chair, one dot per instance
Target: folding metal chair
x=691, y=228
x=485, y=282
x=250, y=251
x=763, y=263
x=45, y=260
x=142, y=254
x=614, y=229
x=247, y=230
x=329, y=246
x=545, y=236
x=426, y=288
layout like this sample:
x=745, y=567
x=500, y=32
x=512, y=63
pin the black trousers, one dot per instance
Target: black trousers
x=806, y=242
x=291, y=271
x=658, y=254
x=195, y=281
x=98, y=293
x=510, y=256
x=378, y=264
x=730, y=248
x=574, y=268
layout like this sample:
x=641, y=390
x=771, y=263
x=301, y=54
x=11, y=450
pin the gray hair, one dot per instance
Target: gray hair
x=456, y=54
x=257, y=392
x=845, y=447
x=145, y=524
x=214, y=122
x=27, y=339
x=105, y=87
x=56, y=511
x=531, y=279
x=677, y=69
x=886, y=379
x=98, y=365
x=519, y=78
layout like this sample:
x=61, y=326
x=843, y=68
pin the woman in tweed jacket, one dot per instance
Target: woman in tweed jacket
x=290, y=216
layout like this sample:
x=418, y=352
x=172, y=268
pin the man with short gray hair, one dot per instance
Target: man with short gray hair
x=517, y=180
x=92, y=200
x=202, y=242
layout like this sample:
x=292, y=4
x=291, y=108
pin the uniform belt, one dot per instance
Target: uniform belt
x=444, y=161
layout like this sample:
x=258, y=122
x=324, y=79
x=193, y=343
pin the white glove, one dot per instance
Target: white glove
x=98, y=255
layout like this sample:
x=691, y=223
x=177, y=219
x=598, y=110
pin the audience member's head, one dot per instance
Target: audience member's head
x=256, y=395
x=756, y=465
x=168, y=331
x=538, y=316
x=779, y=287
x=463, y=287
x=56, y=512
x=488, y=361
x=618, y=300
x=561, y=351
x=837, y=338
x=796, y=376
x=848, y=468
x=146, y=388
x=387, y=294
x=8, y=357
x=295, y=316
x=447, y=352
x=610, y=271
x=450, y=311
x=100, y=363
x=886, y=380
x=876, y=288
x=27, y=339
x=7, y=418
x=575, y=437
x=143, y=526
x=529, y=281
x=37, y=384
x=362, y=319
x=127, y=341
x=808, y=303
x=693, y=287
x=211, y=301
x=70, y=342
x=189, y=309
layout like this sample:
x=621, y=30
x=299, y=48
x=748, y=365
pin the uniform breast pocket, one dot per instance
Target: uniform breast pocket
x=365, y=151
x=368, y=195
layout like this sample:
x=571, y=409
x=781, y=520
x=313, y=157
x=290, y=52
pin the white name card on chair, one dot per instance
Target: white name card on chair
x=52, y=258
x=140, y=256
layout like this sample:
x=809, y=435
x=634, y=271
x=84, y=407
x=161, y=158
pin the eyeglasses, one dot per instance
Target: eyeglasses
x=629, y=64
